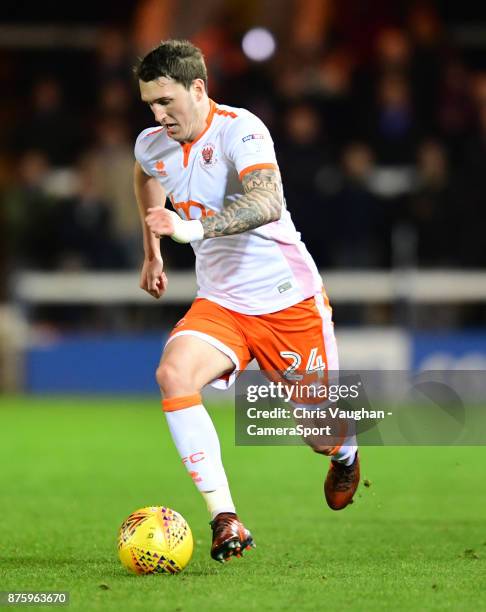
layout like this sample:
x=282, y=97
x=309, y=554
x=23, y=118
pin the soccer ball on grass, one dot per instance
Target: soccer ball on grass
x=155, y=540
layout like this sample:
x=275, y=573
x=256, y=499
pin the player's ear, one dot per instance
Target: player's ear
x=198, y=88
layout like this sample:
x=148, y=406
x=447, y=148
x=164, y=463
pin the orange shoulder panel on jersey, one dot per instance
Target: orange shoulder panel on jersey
x=225, y=113
x=257, y=167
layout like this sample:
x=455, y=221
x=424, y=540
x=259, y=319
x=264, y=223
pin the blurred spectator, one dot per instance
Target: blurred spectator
x=310, y=24
x=85, y=230
x=392, y=53
x=114, y=98
x=471, y=222
x=393, y=130
x=428, y=55
x=301, y=153
x=292, y=80
x=111, y=162
x=323, y=81
x=114, y=57
x=358, y=24
x=454, y=107
x=333, y=92
x=431, y=208
x=49, y=125
x=355, y=221
x=29, y=213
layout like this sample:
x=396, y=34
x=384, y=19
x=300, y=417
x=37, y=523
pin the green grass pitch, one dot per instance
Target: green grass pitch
x=73, y=469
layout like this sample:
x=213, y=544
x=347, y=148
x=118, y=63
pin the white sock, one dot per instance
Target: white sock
x=345, y=454
x=219, y=501
x=196, y=440
x=347, y=451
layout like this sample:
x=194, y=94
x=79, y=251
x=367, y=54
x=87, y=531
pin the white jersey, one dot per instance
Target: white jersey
x=259, y=271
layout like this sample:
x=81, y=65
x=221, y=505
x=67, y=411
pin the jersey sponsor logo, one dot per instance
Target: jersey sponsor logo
x=254, y=142
x=208, y=158
x=190, y=210
x=253, y=137
x=160, y=168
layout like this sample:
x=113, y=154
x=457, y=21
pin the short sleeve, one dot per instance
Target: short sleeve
x=141, y=150
x=249, y=145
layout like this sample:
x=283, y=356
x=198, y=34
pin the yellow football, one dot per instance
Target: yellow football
x=155, y=540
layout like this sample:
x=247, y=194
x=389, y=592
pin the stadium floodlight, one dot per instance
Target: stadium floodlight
x=259, y=44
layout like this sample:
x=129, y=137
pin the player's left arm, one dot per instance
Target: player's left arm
x=261, y=203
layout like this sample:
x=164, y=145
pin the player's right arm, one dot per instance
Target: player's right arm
x=149, y=193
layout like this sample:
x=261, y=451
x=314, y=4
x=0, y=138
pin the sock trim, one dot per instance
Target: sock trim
x=179, y=403
x=335, y=450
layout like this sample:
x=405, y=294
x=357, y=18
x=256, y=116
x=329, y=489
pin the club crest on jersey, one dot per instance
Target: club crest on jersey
x=208, y=158
x=160, y=168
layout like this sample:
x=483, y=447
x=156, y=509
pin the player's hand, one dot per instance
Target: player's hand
x=163, y=222
x=153, y=279
x=160, y=222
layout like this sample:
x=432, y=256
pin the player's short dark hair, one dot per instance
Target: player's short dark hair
x=179, y=60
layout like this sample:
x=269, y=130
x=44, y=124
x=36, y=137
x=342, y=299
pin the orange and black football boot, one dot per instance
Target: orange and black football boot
x=230, y=537
x=341, y=483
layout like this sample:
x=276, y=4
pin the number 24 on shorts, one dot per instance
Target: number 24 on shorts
x=315, y=363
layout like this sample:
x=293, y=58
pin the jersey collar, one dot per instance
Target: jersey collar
x=186, y=147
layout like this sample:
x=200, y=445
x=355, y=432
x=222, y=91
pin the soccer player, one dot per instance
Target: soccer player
x=260, y=295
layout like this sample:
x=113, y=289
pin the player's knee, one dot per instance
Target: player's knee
x=171, y=379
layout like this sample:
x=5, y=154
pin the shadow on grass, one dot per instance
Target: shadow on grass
x=27, y=562
x=20, y=561
x=107, y=568
x=186, y=574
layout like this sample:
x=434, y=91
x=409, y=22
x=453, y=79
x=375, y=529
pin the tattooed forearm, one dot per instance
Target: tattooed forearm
x=261, y=204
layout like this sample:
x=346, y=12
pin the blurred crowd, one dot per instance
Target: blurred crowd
x=379, y=123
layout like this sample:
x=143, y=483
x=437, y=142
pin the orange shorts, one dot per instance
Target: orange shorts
x=297, y=339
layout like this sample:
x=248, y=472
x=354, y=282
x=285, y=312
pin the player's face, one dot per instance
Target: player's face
x=176, y=108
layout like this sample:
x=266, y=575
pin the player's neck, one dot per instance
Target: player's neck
x=202, y=119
